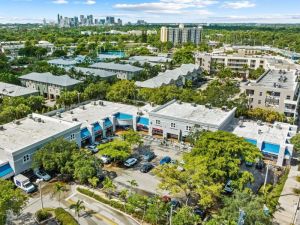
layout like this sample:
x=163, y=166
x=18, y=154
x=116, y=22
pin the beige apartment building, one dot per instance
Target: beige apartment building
x=236, y=63
x=277, y=90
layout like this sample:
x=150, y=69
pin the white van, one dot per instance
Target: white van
x=24, y=183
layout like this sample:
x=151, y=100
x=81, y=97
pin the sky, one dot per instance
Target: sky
x=156, y=11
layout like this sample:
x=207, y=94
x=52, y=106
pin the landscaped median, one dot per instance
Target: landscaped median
x=116, y=204
x=64, y=217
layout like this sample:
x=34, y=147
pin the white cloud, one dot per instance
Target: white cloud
x=166, y=6
x=60, y=2
x=90, y=2
x=239, y=4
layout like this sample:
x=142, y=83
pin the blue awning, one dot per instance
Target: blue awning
x=123, y=116
x=270, y=148
x=287, y=152
x=143, y=121
x=107, y=123
x=85, y=134
x=97, y=128
x=5, y=170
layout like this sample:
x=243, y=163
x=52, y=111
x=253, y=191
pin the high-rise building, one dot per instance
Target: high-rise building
x=181, y=34
x=82, y=19
x=110, y=20
x=90, y=20
x=120, y=22
x=164, y=34
x=141, y=22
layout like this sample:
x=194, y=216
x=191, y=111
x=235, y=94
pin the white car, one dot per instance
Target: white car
x=105, y=159
x=130, y=162
x=42, y=175
x=93, y=148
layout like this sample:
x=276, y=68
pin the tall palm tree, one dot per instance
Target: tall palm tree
x=132, y=184
x=59, y=188
x=78, y=206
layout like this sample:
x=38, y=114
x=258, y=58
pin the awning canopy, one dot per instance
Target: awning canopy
x=107, y=123
x=123, y=116
x=97, y=128
x=143, y=121
x=85, y=134
x=6, y=171
x=270, y=148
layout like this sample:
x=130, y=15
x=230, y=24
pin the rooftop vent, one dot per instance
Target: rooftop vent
x=194, y=104
x=224, y=108
x=140, y=113
x=278, y=126
x=101, y=103
x=30, y=116
x=74, y=119
x=179, y=102
x=82, y=107
x=208, y=105
x=94, y=103
x=18, y=122
x=71, y=112
x=1, y=127
x=259, y=122
x=38, y=119
x=58, y=114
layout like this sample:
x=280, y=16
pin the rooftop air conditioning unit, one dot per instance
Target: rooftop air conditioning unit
x=278, y=126
x=38, y=119
x=82, y=107
x=58, y=114
x=18, y=122
x=30, y=116
x=194, y=104
x=224, y=108
x=101, y=103
x=74, y=119
x=208, y=105
x=95, y=103
x=71, y=112
x=259, y=122
x=1, y=127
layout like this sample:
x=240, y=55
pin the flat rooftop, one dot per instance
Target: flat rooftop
x=65, y=62
x=12, y=90
x=195, y=113
x=278, y=79
x=276, y=133
x=93, y=113
x=15, y=137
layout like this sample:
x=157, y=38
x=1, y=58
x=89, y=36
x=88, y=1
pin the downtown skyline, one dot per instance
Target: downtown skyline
x=172, y=11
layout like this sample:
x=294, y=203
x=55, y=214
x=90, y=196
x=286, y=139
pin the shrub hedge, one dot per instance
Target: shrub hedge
x=42, y=215
x=64, y=217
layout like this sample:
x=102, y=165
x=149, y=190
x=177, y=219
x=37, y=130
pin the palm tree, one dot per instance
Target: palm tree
x=59, y=188
x=132, y=184
x=78, y=206
x=108, y=186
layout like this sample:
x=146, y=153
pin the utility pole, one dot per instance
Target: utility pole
x=39, y=181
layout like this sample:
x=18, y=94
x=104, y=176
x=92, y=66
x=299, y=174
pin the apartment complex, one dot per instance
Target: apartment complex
x=124, y=71
x=178, y=77
x=47, y=84
x=238, y=63
x=181, y=34
x=277, y=90
x=21, y=139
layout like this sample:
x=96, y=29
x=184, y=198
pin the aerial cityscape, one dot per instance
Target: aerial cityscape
x=158, y=112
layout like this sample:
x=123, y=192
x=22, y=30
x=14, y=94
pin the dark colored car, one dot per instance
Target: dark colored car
x=228, y=187
x=260, y=165
x=248, y=164
x=200, y=212
x=148, y=156
x=146, y=167
x=165, y=160
x=175, y=203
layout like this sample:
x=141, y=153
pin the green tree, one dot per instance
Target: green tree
x=133, y=184
x=58, y=189
x=185, y=216
x=132, y=137
x=184, y=56
x=78, y=207
x=93, y=181
x=117, y=150
x=108, y=187
x=251, y=204
x=122, y=91
x=296, y=142
x=12, y=200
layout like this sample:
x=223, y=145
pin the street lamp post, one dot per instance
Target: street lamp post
x=171, y=212
x=39, y=181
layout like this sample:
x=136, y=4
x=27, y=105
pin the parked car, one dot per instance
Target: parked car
x=24, y=183
x=104, y=141
x=165, y=160
x=130, y=162
x=93, y=148
x=146, y=167
x=200, y=212
x=175, y=203
x=148, y=156
x=248, y=164
x=105, y=159
x=260, y=165
x=228, y=187
x=42, y=175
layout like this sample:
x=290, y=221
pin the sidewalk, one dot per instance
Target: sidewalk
x=288, y=201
